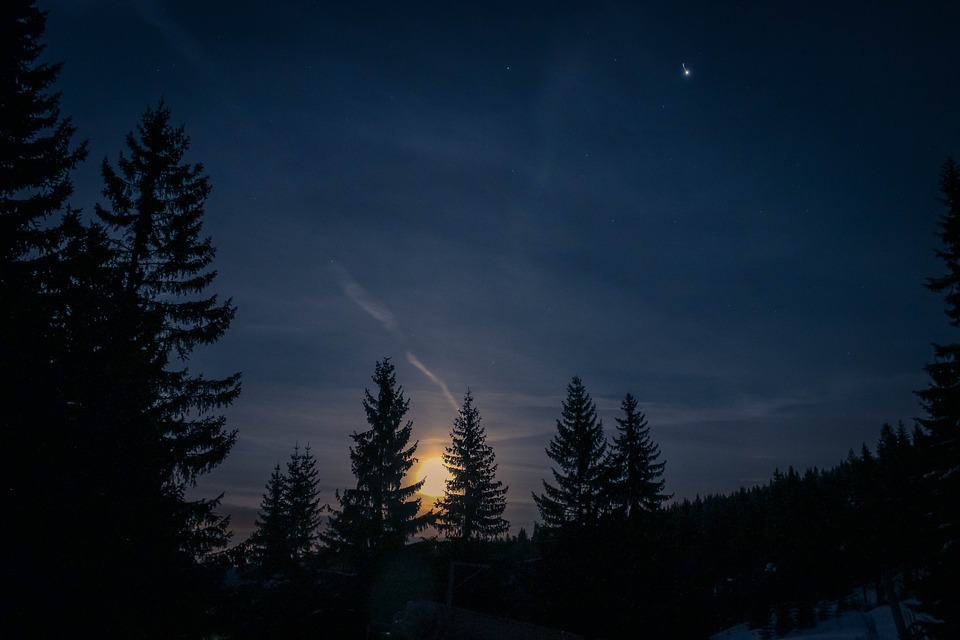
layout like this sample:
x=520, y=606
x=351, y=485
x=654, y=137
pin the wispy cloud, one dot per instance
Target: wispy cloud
x=384, y=316
x=358, y=294
x=412, y=359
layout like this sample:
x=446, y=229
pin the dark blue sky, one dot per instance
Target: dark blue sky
x=504, y=195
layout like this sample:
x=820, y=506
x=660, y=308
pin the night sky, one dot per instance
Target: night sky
x=503, y=196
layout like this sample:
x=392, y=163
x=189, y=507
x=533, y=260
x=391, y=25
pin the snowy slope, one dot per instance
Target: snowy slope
x=876, y=624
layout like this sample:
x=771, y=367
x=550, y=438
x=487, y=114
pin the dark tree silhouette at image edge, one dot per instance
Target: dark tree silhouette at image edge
x=37, y=154
x=941, y=429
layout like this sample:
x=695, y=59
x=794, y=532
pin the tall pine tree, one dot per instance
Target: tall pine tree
x=581, y=494
x=287, y=526
x=473, y=501
x=136, y=425
x=637, y=482
x=37, y=230
x=36, y=158
x=941, y=439
x=381, y=513
x=155, y=208
x=270, y=542
x=302, y=503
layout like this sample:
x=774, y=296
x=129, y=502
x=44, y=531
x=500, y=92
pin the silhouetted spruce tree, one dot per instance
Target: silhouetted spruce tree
x=36, y=461
x=581, y=494
x=302, y=503
x=287, y=525
x=155, y=207
x=35, y=163
x=35, y=153
x=941, y=441
x=473, y=500
x=143, y=427
x=270, y=541
x=381, y=513
x=637, y=482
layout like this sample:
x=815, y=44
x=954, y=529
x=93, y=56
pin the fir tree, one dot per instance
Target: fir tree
x=581, y=494
x=36, y=159
x=941, y=436
x=287, y=526
x=302, y=503
x=473, y=501
x=270, y=540
x=380, y=513
x=37, y=457
x=135, y=428
x=35, y=148
x=637, y=482
x=155, y=207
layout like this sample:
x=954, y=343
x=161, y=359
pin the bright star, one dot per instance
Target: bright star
x=686, y=71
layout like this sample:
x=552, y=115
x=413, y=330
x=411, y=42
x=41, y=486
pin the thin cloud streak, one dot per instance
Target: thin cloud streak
x=412, y=359
x=384, y=316
x=358, y=294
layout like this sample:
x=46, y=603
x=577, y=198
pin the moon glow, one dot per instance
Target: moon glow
x=435, y=476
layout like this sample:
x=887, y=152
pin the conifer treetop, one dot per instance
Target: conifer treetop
x=474, y=500
x=580, y=495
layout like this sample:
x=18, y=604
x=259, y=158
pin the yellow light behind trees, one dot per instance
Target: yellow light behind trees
x=436, y=476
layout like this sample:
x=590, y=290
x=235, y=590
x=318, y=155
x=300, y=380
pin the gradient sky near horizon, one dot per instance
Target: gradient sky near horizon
x=501, y=196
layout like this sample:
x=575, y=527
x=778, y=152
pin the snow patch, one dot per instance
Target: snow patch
x=876, y=624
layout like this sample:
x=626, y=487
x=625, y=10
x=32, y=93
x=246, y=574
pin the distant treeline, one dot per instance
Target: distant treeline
x=779, y=556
